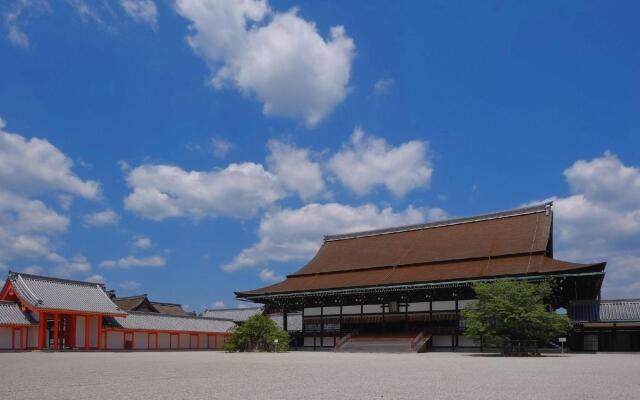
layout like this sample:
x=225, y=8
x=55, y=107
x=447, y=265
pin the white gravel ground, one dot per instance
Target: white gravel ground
x=307, y=375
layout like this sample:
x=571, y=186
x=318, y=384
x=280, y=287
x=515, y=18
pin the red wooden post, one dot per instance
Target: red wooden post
x=26, y=338
x=99, y=332
x=22, y=338
x=42, y=330
x=198, y=342
x=13, y=338
x=156, y=340
x=178, y=341
x=87, y=328
x=56, y=334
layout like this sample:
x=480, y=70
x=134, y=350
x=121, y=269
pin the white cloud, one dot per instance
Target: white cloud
x=27, y=226
x=130, y=285
x=162, y=191
x=131, y=261
x=22, y=11
x=220, y=147
x=294, y=168
x=96, y=278
x=141, y=10
x=279, y=57
x=269, y=275
x=382, y=86
x=296, y=234
x=369, y=161
x=142, y=242
x=600, y=220
x=218, y=304
x=32, y=166
x=101, y=218
x=76, y=264
x=33, y=269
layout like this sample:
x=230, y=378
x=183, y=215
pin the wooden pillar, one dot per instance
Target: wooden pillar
x=99, y=332
x=25, y=336
x=340, y=320
x=198, y=342
x=455, y=335
x=384, y=324
x=361, y=315
x=284, y=318
x=178, y=341
x=156, y=340
x=322, y=326
x=42, y=330
x=13, y=338
x=56, y=334
x=87, y=329
x=133, y=340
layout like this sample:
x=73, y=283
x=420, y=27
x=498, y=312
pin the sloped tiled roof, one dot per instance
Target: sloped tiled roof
x=234, y=314
x=133, y=303
x=163, y=322
x=169, y=308
x=514, y=243
x=62, y=294
x=12, y=315
x=605, y=310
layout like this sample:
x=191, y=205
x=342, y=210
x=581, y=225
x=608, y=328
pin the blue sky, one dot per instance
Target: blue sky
x=190, y=148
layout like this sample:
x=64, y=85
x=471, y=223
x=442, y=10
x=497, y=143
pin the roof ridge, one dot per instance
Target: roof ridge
x=177, y=316
x=53, y=279
x=233, y=309
x=165, y=302
x=131, y=297
x=448, y=222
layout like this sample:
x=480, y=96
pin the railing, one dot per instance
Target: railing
x=343, y=340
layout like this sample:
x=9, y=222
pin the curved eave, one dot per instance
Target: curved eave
x=409, y=286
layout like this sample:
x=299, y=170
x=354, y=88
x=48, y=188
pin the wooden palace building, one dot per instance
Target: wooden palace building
x=39, y=312
x=412, y=282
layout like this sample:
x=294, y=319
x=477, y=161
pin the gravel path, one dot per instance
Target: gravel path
x=306, y=375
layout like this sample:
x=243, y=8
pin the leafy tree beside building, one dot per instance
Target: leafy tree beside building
x=513, y=310
x=258, y=333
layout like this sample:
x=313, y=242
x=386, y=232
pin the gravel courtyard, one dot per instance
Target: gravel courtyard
x=306, y=375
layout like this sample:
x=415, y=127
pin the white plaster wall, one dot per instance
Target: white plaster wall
x=464, y=341
x=203, y=341
x=462, y=304
x=163, y=340
x=420, y=306
x=308, y=311
x=80, y=331
x=93, y=332
x=351, y=310
x=33, y=336
x=115, y=340
x=141, y=341
x=444, y=305
x=184, y=341
x=5, y=338
x=333, y=310
x=441, y=341
x=372, y=308
x=329, y=341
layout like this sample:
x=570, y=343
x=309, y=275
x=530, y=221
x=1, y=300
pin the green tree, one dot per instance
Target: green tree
x=258, y=333
x=513, y=310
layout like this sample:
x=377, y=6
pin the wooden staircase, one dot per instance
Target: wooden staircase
x=383, y=344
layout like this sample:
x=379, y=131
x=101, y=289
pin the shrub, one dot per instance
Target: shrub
x=258, y=333
x=513, y=310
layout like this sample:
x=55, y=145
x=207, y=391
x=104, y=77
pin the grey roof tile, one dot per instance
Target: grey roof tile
x=164, y=322
x=234, y=314
x=11, y=314
x=63, y=294
x=605, y=310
